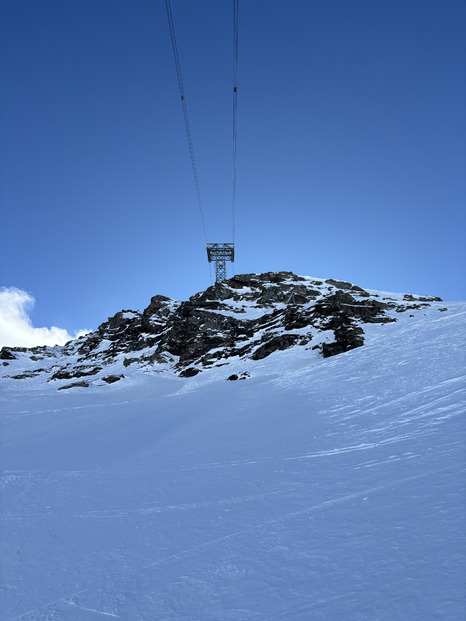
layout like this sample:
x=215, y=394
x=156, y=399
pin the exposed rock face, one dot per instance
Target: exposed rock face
x=6, y=354
x=248, y=316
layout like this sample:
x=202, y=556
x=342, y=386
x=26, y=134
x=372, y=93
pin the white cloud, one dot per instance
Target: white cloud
x=16, y=329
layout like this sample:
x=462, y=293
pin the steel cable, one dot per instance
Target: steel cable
x=235, y=105
x=185, y=113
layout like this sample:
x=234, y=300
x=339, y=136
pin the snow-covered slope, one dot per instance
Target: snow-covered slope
x=319, y=488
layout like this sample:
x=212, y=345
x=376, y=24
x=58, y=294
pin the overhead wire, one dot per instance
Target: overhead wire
x=235, y=107
x=185, y=113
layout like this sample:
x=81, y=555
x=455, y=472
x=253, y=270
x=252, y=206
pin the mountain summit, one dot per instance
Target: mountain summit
x=247, y=317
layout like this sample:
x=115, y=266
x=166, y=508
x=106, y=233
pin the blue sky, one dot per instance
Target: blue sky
x=351, y=147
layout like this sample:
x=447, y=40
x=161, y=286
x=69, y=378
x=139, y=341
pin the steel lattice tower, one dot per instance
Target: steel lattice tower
x=220, y=254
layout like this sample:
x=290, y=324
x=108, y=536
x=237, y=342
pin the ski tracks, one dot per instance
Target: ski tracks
x=42, y=612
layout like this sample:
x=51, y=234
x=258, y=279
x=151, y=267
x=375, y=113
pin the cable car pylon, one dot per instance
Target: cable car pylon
x=220, y=254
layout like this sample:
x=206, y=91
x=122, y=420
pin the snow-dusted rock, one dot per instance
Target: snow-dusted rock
x=248, y=316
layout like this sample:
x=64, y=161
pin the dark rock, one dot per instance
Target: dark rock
x=381, y=320
x=92, y=342
x=189, y=372
x=295, y=318
x=279, y=277
x=339, y=284
x=362, y=292
x=281, y=342
x=128, y=361
x=344, y=303
x=28, y=374
x=75, y=372
x=346, y=338
x=403, y=309
x=6, y=354
x=157, y=303
x=111, y=379
x=193, y=332
x=420, y=298
x=117, y=321
x=244, y=375
x=157, y=313
x=240, y=281
x=74, y=385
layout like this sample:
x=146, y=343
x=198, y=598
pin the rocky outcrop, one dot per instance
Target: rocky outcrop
x=248, y=316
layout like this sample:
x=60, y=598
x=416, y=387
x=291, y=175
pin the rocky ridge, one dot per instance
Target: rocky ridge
x=249, y=316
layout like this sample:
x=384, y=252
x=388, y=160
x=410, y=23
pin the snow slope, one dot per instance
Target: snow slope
x=315, y=489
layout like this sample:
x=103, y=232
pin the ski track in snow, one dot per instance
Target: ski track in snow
x=115, y=513
x=67, y=599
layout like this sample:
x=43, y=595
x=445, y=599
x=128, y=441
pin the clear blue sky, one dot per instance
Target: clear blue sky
x=351, y=147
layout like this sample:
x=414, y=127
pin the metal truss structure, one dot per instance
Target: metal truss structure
x=220, y=254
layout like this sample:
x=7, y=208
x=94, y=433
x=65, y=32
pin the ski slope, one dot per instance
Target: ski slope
x=314, y=489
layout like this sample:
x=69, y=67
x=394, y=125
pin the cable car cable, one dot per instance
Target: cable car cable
x=235, y=105
x=185, y=113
